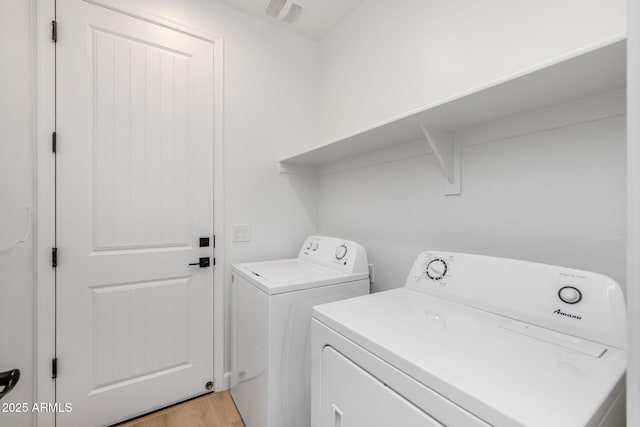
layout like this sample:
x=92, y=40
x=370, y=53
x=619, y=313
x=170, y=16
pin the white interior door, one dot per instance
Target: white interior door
x=134, y=195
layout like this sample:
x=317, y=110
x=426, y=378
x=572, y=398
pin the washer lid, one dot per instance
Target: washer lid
x=482, y=362
x=287, y=275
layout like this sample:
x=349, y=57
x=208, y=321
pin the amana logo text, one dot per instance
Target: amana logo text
x=562, y=313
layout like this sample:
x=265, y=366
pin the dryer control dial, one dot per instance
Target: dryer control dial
x=436, y=269
x=570, y=295
x=341, y=252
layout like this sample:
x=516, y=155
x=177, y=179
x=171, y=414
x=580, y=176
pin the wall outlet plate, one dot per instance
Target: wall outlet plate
x=241, y=233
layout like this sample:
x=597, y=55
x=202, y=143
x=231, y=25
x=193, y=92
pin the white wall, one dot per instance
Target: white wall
x=555, y=196
x=389, y=57
x=16, y=194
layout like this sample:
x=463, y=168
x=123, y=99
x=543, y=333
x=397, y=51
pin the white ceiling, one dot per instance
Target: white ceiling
x=318, y=17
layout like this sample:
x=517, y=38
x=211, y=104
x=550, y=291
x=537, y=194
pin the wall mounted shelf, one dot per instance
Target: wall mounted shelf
x=590, y=71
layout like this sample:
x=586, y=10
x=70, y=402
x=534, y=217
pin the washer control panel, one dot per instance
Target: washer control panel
x=311, y=246
x=340, y=254
x=575, y=302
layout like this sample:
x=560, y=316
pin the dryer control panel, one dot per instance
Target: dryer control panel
x=339, y=254
x=575, y=302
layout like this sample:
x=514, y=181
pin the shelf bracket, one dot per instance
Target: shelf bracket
x=447, y=152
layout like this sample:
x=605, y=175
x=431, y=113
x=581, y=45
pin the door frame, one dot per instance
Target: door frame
x=633, y=211
x=44, y=55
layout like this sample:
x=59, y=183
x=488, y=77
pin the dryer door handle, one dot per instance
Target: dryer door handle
x=337, y=416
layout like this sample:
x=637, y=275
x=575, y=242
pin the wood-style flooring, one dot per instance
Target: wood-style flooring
x=212, y=410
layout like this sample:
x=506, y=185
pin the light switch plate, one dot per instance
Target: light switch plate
x=241, y=233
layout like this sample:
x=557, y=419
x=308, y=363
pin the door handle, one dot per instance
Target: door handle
x=8, y=380
x=203, y=262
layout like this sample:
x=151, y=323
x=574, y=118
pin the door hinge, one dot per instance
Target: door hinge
x=54, y=368
x=54, y=142
x=214, y=261
x=54, y=257
x=214, y=241
x=54, y=31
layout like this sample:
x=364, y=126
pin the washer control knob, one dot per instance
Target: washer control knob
x=315, y=246
x=570, y=295
x=341, y=251
x=309, y=245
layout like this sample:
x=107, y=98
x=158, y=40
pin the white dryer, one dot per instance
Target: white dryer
x=473, y=341
x=271, y=319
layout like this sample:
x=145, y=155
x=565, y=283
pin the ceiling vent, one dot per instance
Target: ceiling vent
x=294, y=12
x=275, y=7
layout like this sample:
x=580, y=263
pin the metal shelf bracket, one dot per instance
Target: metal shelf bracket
x=447, y=152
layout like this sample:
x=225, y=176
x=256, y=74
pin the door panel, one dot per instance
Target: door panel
x=141, y=136
x=132, y=339
x=134, y=194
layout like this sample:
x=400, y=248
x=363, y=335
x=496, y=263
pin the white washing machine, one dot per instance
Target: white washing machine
x=270, y=343
x=473, y=341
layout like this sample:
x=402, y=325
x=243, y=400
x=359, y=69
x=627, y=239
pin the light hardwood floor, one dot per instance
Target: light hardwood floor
x=212, y=410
